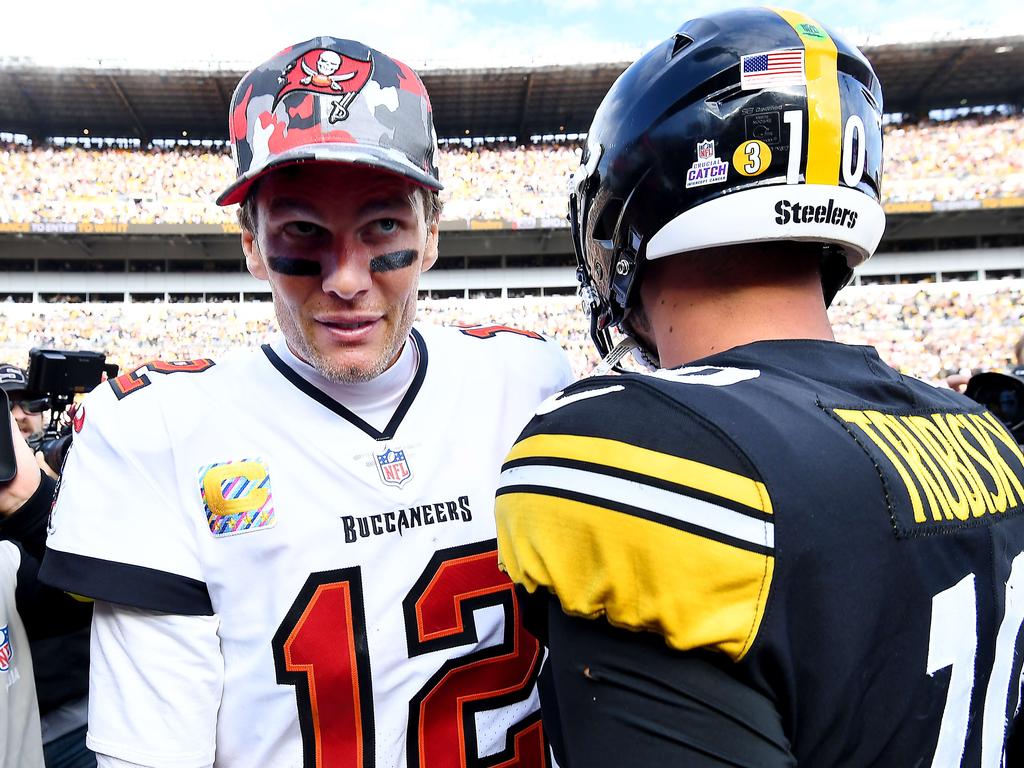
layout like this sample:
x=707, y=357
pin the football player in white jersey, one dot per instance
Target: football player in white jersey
x=292, y=550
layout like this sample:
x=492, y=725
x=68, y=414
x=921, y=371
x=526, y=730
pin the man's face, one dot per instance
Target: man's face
x=29, y=423
x=343, y=248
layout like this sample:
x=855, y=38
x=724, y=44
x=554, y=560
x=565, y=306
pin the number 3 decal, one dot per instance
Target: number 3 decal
x=321, y=649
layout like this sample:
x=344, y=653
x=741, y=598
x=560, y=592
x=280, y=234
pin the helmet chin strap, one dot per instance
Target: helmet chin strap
x=641, y=354
x=611, y=360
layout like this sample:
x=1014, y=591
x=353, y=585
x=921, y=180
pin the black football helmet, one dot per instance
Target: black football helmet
x=749, y=125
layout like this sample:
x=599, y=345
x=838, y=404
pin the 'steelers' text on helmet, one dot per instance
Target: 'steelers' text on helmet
x=751, y=125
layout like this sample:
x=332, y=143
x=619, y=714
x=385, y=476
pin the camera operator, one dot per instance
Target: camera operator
x=57, y=625
x=28, y=413
x=1003, y=394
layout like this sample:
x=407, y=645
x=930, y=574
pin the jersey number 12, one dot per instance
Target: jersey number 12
x=321, y=649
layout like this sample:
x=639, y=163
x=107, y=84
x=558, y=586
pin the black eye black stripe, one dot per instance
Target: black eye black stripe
x=294, y=267
x=387, y=262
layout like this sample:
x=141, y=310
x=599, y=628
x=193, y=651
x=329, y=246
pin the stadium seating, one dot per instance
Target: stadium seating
x=965, y=159
x=927, y=331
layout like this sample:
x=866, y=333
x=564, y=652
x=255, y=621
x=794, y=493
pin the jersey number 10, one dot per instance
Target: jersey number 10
x=321, y=649
x=953, y=642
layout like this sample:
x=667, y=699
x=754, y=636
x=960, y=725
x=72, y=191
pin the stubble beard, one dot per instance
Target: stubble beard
x=299, y=341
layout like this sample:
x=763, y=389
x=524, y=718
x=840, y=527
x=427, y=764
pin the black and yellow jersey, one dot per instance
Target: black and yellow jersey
x=845, y=540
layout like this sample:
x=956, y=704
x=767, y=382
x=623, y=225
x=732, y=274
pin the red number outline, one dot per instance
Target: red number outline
x=490, y=331
x=437, y=618
x=434, y=620
x=133, y=381
x=302, y=675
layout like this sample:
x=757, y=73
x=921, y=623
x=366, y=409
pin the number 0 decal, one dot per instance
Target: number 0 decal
x=320, y=648
x=854, y=148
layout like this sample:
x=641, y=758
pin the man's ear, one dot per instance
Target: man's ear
x=430, y=248
x=253, y=257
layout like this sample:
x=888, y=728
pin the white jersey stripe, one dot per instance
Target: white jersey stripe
x=677, y=506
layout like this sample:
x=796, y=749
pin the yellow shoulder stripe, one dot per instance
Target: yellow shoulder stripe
x=824, y=113
x=693, y=591
x=612, y=453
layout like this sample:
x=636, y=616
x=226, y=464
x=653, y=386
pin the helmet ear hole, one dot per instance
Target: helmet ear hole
x=604, y=227
x=680, y=44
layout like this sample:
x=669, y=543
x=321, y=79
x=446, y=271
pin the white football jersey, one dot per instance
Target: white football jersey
x=350, y=567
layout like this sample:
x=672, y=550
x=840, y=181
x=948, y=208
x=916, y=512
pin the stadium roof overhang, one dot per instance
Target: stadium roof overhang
x=44, y=101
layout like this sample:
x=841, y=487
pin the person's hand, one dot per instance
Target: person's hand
x=958, y=381
x=25, y=482
x=41, y=461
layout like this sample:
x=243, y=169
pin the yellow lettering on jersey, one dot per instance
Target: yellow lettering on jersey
x=978, y=497
x=949, y=463
x=213, y=484
x=958, y=492
x=998, y=430
x=994, y=501
x=642, y=575
x=863, y=421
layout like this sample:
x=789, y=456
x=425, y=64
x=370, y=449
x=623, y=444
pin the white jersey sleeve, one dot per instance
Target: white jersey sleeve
x=118, y=531
x=155, y=684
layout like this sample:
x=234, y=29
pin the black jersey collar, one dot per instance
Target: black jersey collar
x=330, y=403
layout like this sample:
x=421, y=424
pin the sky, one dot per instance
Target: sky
x=430, y=34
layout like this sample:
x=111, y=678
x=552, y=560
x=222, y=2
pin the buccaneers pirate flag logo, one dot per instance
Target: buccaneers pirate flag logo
x=326, y=73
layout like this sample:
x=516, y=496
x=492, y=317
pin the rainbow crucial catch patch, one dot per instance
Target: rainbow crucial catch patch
x=236, y=496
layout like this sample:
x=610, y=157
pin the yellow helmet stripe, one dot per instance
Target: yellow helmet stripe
x=824, y=113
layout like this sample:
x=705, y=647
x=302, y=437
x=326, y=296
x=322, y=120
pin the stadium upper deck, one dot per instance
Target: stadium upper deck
x=42, y=101
x=937, y=237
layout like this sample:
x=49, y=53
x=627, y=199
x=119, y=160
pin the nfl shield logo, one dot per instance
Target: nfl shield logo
x=6, y=651
x=393, y=467
x=705, y=149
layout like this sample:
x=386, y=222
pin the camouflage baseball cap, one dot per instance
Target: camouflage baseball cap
x=330, y=100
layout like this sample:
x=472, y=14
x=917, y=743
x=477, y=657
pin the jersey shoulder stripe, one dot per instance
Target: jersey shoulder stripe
x=652, y=539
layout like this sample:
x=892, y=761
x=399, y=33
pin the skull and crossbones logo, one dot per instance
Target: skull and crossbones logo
x=323, y=76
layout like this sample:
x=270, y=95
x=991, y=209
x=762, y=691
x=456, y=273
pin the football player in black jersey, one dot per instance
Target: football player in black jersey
x=773, y=549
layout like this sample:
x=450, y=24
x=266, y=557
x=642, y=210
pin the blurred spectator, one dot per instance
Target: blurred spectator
x=969, y=158
x=42, y=641
x=28, y=416
x=928, y=331
x=20, y=741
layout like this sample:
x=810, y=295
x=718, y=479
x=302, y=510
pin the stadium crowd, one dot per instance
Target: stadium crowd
x=928, y=331
x=965, y=159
